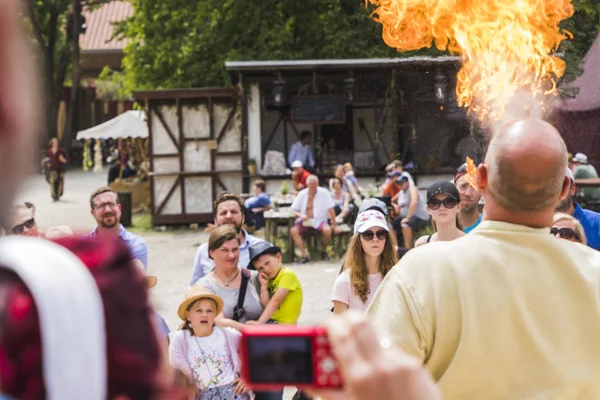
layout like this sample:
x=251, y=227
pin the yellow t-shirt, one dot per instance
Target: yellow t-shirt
x=290, y=308
x=505, y=312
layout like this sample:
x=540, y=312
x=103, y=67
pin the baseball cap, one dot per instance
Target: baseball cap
x=460, y=171
x=297, y=164
x=569, y=173
x=373, y=204
x=443, y=187
x=259, y=249
x=580, y=157
x=369, y=219
x=394, y=174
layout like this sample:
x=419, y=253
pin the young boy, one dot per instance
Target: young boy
x=280, y=289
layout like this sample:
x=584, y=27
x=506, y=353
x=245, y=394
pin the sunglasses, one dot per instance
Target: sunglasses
x=448, y=203
x=369, y=235
x=564, y=233
x=17, y=230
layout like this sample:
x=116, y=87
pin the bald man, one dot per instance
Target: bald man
x=508, y=311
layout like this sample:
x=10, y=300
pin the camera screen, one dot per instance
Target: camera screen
x=280, y=360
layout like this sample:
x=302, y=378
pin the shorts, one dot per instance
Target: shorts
x=414, y=223
x=304, y=230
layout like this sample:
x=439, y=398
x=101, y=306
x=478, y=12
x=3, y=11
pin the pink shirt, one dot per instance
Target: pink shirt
x=343, y=292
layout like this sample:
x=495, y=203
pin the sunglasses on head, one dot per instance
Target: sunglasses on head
x=448, y=203
x=369, y=235
x=564, y=233
x=17, y=230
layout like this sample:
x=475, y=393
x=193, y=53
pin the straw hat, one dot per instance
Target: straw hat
x=57, y=232
x=198, y=292
x=150, y=279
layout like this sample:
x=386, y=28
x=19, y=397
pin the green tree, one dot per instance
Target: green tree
x=178, y=43
x=48, y=22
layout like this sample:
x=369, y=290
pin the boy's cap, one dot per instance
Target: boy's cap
x=259, y=249
x=373, y=204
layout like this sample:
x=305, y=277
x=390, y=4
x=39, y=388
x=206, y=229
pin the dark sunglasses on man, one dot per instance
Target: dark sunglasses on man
x=448, y=203
x=369, y=235
x=18, y=229
x=564, y=233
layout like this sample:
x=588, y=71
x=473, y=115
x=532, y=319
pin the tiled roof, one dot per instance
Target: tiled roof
x=588, y=97
x=99, y=28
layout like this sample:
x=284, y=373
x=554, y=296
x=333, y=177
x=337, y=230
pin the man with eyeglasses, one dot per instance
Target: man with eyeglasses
x=468, y=215
x=106, y=210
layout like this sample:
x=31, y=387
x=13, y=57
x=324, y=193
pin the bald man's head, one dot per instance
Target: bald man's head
x=526, y=163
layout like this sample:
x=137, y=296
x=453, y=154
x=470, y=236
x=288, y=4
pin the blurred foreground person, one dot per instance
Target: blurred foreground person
x=67, y=332
x=48, y=295
x=486, y=314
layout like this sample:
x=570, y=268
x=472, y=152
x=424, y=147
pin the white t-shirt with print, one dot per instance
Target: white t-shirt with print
x=210, y=360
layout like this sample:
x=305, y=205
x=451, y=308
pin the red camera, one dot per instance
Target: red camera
x=275, y=356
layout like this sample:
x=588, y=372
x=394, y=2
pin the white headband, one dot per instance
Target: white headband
x=71, y=316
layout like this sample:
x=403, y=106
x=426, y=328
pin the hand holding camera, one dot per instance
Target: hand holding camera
x=345, y=359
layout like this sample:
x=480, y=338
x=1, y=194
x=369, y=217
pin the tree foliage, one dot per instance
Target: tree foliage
x=179, y=43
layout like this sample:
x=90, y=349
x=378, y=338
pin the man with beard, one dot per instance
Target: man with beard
x=229, y=210
x=106, y=210
x=468, y=215
x=590, y=220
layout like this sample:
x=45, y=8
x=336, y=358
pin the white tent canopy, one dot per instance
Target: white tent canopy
x=129, y=124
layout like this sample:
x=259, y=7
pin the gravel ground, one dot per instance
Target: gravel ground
x=170, y=254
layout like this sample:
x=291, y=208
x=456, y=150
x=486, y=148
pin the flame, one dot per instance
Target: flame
x=472, y=173
x=506, y=45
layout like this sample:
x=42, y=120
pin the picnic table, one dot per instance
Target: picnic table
x=276, y=217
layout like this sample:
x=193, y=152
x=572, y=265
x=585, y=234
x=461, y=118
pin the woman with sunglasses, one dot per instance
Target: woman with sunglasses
x=22, y=222
x=371, y=254
x=566, y=227
x=443, y=203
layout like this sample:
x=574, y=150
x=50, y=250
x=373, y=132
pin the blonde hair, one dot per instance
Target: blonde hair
x=576, y=224
x=355, y=261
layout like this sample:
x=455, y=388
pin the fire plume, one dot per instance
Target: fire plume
x=506, y=46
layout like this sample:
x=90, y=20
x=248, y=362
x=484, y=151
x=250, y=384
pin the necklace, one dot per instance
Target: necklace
x=226, y=283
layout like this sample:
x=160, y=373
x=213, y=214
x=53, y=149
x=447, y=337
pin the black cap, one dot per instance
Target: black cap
x=373, y=204
x=445, y=187
x=260, y=248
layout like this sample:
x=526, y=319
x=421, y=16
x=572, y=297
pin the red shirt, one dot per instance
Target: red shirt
x=55, y=163
x=301, y=177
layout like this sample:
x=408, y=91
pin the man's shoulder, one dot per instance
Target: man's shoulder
x=130, y=236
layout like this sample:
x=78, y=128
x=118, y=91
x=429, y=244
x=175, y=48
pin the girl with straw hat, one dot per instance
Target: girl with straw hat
x=206, y=353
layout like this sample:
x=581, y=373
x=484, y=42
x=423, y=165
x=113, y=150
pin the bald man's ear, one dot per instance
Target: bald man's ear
x=568, y=187
x=482, y=177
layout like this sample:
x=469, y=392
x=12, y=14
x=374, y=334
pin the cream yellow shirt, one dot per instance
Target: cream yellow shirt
x=505, y=312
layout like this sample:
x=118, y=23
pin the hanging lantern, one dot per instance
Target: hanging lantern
x=440, y=86
x=349, y=84
x=279, y=91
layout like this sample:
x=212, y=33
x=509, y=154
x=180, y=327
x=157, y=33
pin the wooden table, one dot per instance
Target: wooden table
x=275, y=217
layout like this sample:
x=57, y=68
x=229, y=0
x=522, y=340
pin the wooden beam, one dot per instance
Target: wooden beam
x=164, y=123
x=171, y=191
x=229, y=119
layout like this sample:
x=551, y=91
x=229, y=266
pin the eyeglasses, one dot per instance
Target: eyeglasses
x=102, y=206
x=564, y=233
x=369, y=235
x=448, y=203
x=17, y=230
